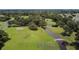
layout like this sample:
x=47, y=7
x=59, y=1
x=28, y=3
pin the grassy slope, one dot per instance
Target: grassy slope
x=27, y=39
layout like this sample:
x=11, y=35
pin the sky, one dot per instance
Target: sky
x=39, y=4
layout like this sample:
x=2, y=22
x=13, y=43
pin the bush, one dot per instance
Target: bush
x=3, y=38
x=75, y=44
x=32, y=26
x=1, y=44
x=5, y=18
x=44, y=27
x=54, y=25
x=65, y=34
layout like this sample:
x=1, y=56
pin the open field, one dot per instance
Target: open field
x=26, y=39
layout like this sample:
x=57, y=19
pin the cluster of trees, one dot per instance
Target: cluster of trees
x=3, y=38
x=33, y=21
x=64, y=22
x=4, y=18
x=18, y=21
x=37, y=20
x=69, y=27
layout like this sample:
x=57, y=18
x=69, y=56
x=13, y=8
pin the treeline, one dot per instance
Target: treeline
x=22, y=11
x=33, y=21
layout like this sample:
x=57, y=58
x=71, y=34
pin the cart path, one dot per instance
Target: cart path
x=58, y=39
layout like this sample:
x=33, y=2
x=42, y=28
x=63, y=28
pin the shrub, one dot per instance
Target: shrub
x=32, y=26
x=3, y=38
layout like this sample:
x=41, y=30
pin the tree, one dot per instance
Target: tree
x=38, y=20
x=42, y=24
x=18, y=21
x=3, y=38
x=4, y=18
x=58, y=19
x=68, y=25
x=32, y=26
x=75, y=44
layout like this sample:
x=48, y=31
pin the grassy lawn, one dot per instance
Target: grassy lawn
x=25, y=39
x=49, y=21
x=25, y=17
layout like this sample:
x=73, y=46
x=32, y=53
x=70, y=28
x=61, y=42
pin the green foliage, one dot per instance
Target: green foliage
x=4, y=18
x=38, y=20
x=32, y=26
x=42, y=24
x=18, y=21
x=3, y=38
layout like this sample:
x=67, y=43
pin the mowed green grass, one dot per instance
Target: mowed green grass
x=50, y=22
x=25, y=17
x=26, y=39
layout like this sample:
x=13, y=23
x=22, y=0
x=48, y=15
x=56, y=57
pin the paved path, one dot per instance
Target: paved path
x=57, y=38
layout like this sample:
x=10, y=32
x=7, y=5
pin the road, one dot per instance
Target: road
x=58, y=39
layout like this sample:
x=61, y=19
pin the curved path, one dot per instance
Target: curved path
x=57, y=38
